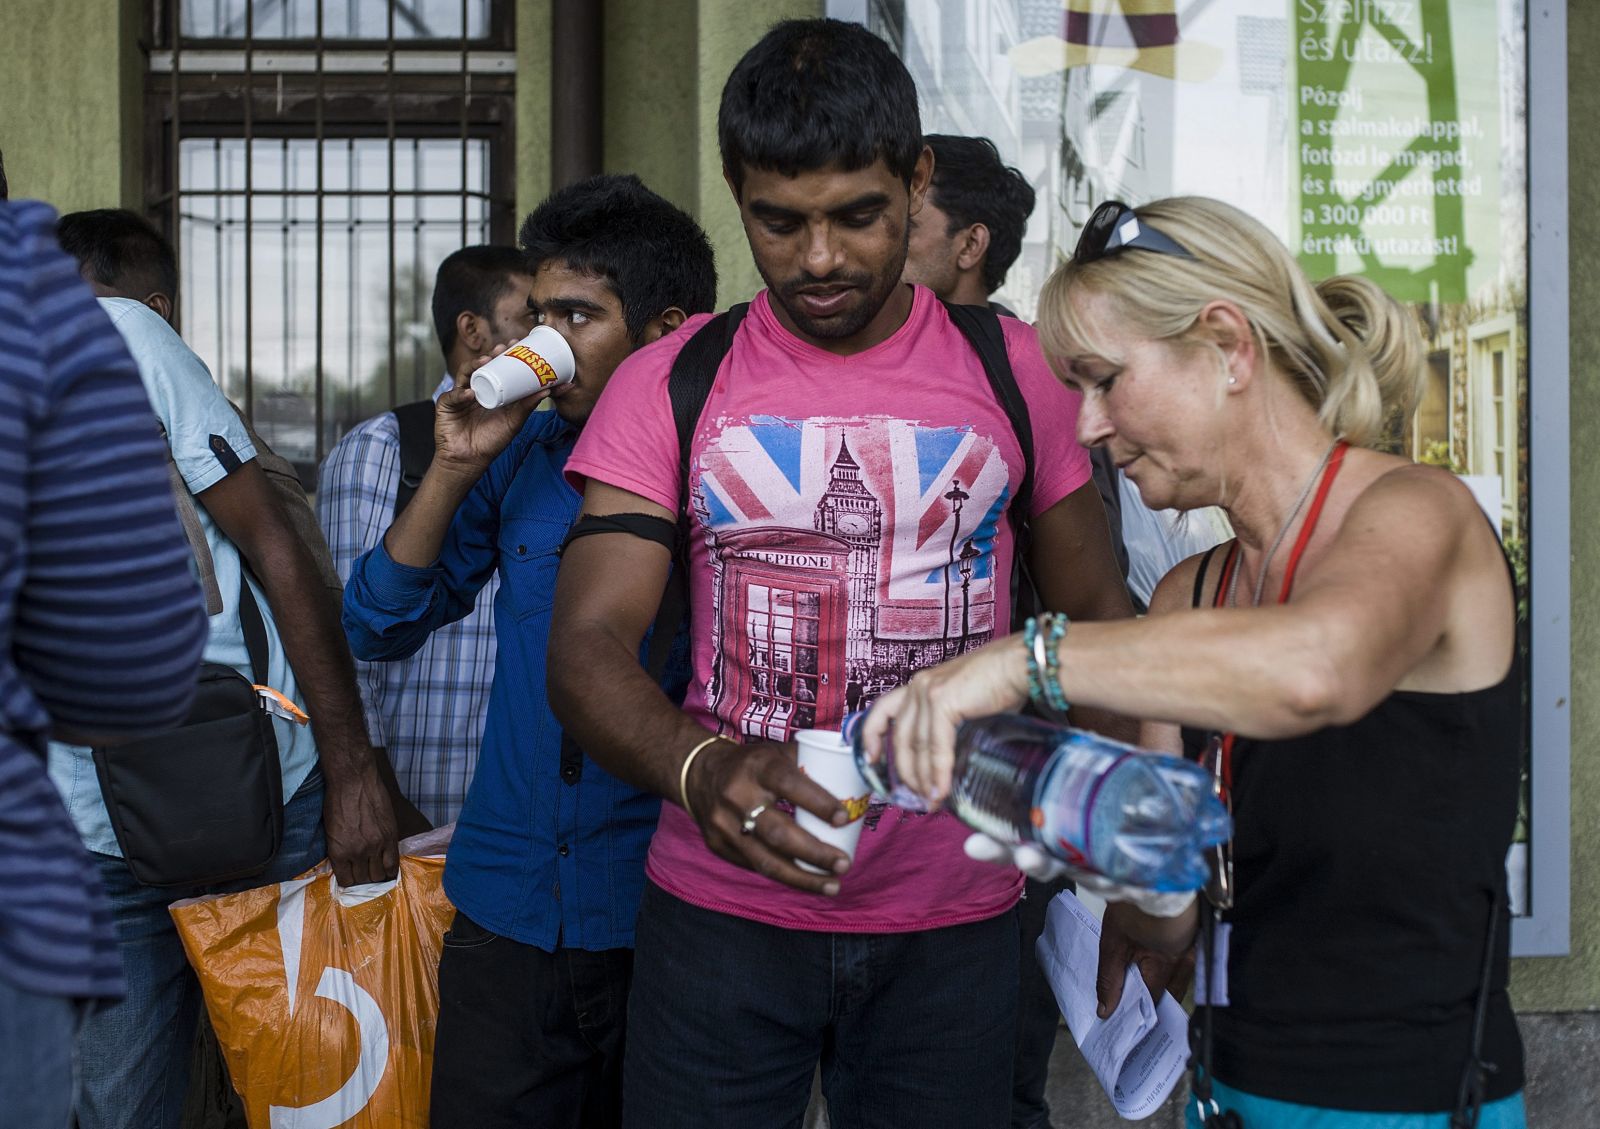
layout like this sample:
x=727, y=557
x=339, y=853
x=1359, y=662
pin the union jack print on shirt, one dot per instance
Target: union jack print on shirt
x=845, y=555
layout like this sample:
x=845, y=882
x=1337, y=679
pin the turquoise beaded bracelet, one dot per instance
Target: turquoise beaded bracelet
x=1041, y=638
x=1030, y=646
x=1053, y=693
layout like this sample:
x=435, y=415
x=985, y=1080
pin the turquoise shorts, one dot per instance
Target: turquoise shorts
x=1265, y=1113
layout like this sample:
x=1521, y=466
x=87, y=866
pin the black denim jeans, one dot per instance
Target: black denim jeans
x=1038, y=1014
x=730, y=1017
x=527, y=1038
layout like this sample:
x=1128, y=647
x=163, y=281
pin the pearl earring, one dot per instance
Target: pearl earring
x=1233, y=380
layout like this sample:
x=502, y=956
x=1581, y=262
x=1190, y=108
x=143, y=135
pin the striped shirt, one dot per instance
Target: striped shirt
x=427, y=710
x=100, y=616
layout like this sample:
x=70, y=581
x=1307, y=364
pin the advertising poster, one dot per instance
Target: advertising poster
x=1386, y=138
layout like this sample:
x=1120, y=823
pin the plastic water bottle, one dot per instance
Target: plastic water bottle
x=1136, y=817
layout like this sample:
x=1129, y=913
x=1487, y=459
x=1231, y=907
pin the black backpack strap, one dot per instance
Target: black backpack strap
x=1200, y=576
x=1103, y=473
x=253, y=628
x=981, y=327
x=416, y=449
x=671, y=614
x=689, y=384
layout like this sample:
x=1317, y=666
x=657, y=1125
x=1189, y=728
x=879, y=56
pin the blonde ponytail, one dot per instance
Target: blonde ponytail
x=1386, y=362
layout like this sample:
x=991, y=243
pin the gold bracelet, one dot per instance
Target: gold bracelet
x=683, y=773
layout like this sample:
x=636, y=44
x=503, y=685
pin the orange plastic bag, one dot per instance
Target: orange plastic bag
x=324, y=999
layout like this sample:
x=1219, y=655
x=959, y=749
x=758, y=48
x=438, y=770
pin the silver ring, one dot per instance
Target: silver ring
x=748, y=827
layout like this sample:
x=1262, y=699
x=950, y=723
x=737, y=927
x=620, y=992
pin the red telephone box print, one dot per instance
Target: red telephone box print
x=785, y=597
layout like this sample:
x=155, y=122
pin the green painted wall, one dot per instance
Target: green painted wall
x=729, y=28
x=1573, y=982
x=651, y=83
x=71, y=108
x=533, y=104
x=666, y=61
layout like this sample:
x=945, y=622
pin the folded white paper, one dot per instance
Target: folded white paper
x=1139, y=1052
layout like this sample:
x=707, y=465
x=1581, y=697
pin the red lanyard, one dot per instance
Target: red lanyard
x=1329, y=473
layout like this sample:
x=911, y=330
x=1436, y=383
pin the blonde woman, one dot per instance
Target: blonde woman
x=1348, y=664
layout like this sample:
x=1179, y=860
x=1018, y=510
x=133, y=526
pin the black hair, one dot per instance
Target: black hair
x=650, y=252
x=5, y=189
x=471, y=280
x=120, y=249
x=971, y=184
x=814, y=93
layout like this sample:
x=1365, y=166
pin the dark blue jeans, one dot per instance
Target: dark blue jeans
x=730, y=1017
x=135, y=1053
x=37, y=1062
x=1038, y=1015
x=527, y=1037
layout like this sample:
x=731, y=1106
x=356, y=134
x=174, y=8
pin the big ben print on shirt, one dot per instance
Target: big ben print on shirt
x=845, y=555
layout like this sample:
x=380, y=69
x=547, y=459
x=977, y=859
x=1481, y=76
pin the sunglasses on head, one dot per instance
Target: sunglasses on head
x=1114, y=227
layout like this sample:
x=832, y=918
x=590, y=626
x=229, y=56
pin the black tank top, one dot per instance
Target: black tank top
x=1367, y=860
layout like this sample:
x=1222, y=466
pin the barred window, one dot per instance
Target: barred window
x=314, y=161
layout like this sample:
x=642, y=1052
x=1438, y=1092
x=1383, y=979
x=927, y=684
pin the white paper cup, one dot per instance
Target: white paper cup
x=831, y=762
x=542, y=359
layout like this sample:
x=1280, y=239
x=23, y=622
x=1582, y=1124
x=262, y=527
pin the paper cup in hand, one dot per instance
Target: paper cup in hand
x=831, y=762
x=543, y=359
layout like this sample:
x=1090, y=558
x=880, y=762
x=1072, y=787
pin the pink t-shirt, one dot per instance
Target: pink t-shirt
x=849, y=530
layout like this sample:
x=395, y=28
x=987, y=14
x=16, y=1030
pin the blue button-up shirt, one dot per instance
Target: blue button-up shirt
x=549, y=849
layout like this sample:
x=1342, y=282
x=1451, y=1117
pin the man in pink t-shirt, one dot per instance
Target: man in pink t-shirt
x=847, y=502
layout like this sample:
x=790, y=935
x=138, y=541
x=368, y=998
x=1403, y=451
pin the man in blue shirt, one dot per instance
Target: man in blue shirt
x=547, y=865
x=98, y=644
x=427, y=711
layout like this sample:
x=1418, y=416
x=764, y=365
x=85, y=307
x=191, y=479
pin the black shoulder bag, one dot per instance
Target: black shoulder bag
x=202, y=803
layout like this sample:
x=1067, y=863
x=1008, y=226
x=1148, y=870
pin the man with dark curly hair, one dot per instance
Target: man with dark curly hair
x=970, y=229
x=547, y=864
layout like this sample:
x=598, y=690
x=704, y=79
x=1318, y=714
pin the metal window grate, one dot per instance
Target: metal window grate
x=312, y=193
x=328, y=322
x=337, y=19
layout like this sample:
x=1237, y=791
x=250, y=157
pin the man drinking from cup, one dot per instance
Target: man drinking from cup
x=547, y=864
